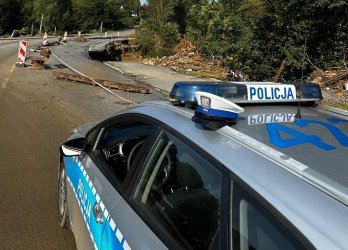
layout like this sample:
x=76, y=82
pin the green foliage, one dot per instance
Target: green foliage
x=157, y=40
x=10, y=19
x=71, y=15
x=157, y=34
x=259, y=34
x=252, y=36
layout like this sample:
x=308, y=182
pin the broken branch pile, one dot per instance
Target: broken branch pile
x=105, y=83
x=187, y=58
x=79, y=38
x=335, y=78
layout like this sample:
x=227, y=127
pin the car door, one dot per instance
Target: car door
x=108, y=166
x=175, y=201
x=90, y=188
x=257, y=225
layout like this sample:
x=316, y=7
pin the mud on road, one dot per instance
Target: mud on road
x=37, y=114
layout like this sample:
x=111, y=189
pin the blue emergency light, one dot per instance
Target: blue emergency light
x=246, y=92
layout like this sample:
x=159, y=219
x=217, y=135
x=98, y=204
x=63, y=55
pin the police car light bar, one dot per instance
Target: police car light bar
x=216, y=107
x=247, y=92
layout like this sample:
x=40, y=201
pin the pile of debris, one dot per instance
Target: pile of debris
x=114, y=50
x=335, y=78
x=130, y=50
x=187, y=58
x=123, y=49
x=79, y=38
x=38, y=61
x=334, y=86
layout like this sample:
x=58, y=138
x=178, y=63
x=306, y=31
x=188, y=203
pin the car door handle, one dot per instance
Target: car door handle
x=98, y=213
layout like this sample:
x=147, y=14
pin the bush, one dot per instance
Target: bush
x=146, y=41
x=156, y=40
x=161, y=52
x=128, y=21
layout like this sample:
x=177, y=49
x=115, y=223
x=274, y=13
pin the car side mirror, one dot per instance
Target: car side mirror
x=73, y=147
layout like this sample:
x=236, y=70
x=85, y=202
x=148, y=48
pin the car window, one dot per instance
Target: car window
x=256, y=227
x=181, y=191
x=120, y=144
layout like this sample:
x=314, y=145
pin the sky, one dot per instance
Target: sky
x=142, y=1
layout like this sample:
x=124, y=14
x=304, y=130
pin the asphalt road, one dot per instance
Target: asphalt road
x=36, y=114
x=30, y=130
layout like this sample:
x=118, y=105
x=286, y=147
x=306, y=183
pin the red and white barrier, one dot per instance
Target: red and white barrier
x=22, y=51
x=45, y=41
x=65, y=38
x=106, y=34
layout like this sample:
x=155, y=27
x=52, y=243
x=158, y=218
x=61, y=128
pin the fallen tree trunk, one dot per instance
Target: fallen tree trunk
x=105, y=83
x=335, y=79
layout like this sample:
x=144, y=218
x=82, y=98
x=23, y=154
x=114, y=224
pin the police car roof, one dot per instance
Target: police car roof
x=317, y=141
x=316, y=144
x=288, y=178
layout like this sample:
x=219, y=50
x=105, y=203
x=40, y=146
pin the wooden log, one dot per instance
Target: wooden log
x=105, y=83
x=334, y=80
x=72, y=77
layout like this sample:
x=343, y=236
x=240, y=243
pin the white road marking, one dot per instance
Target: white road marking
x=13, y=68
x=4, y=85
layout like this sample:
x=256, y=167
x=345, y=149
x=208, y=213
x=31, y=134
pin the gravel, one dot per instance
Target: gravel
x=335, y=99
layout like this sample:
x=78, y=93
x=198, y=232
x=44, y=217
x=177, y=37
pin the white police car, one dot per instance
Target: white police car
x=160, y=176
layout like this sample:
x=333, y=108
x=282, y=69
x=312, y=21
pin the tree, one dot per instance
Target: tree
x=287, y=25
x=258, y=34
x=10, y=19
x=158, y=35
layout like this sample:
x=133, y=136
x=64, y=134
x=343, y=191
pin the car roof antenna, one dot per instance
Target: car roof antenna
x=298, y=114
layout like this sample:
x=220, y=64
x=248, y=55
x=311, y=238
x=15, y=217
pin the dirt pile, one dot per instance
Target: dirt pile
x=79, y=39
x=187, y=59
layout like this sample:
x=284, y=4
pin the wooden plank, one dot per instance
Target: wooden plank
x=105, y=83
